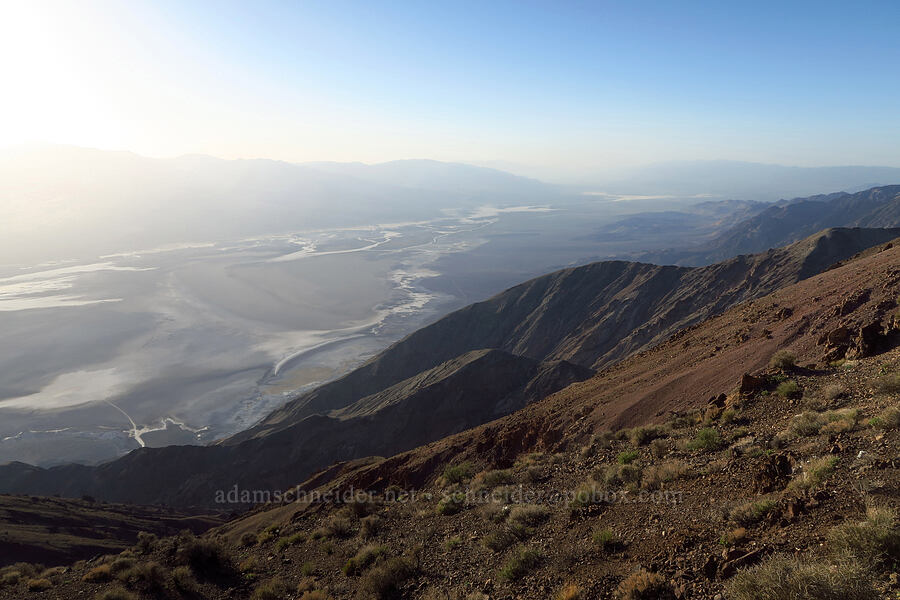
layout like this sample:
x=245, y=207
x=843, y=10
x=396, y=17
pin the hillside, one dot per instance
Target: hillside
x=701, y=467
x=546, y=333
x=593, y=316
x=57, y=531
x=787, y=222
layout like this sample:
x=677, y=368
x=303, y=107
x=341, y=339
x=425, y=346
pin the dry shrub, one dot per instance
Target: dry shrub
x=530, y=515
x=273, y=589
x=656, y=476
x=644, y=585
x=569, y=592
x=523, y=561
x=790, y=578
x=874, y=541
x=98, y=574
x=752, y=512
x=383, y=580
x=814, y=474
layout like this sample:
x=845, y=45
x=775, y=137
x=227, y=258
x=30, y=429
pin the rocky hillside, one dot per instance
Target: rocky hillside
x=57, y=531
x=753, y=455
x=544, y=334
x=593, y=316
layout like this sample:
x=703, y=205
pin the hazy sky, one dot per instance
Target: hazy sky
x=578, y=85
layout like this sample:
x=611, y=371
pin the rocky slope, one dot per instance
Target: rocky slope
x=787, y=222
x=58, y=531
x=593, y=316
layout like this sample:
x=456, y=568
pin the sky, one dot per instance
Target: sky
x=561, y=87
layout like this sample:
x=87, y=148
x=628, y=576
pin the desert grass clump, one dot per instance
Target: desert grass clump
x=641, y=436
x=206, y=557
x=875, y=541
x=338, y=525
x=606, y=539
x=523, y=561
x=888, y=419
x=733, y=537
x=569, y=592
x=98, y=574
x=587, y=494
x=458, y=473
x=290, y=540
x=149, y=575
x=644, y=585
x=451, y=504
x=369, y=526
x=751, y=513
x=364, y=558
x=834, y=393
x=272, y=589
x=814, y=474
x=783, y=360
x=116, y=593
x=833, y=421
x=248, y=539
x=529, y=515
x=382, y=581
x=491, y=479
x=627, y=457
x=503, y=538
x=184, y=581
x=655, y=477
x=888, y=384
x=38, y=585
x=659, y=448
x=789, y=389
x=785, y=577
x=707, y=439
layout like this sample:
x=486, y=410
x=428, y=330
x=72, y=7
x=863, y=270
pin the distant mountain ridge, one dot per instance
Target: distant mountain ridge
x=788, y=221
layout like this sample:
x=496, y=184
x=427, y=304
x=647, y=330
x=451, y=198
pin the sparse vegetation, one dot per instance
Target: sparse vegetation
x=642, y=436
x=790, y=578
x=889, y=384
x=503, y=538
x=369, y=527
x=605, y=539
x=116, y=593
x=380, y=581
x=98, y=574
x=492, y=479
x=458, y=473
x=523, y=561
x=783, y=360
x=38, y=585
x=273, y=589
x=206, y=557
x=627, y=457
x=364, y=558
x=875, y=541
x=644, y=585
x=814, y=473
x=655, y=477
x=290, y=540
x=752, y=512
x=451, y=504
x=707, y=439
x=789, y=389
x=529, y=515
x=569, y=592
